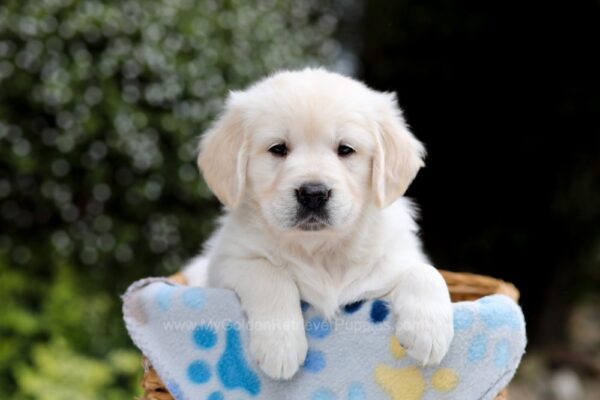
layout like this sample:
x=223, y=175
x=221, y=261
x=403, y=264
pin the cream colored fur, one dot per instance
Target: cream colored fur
x=370, y=247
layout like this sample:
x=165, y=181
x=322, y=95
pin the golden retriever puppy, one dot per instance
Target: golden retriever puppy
x=311, y=166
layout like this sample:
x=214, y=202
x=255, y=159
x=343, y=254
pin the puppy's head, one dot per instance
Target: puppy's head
x=310, y=150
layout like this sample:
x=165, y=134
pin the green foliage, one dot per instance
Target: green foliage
x=55, y=342
x=60, y=372
x=101, y=104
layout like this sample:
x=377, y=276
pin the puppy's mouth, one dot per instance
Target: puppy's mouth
x=314, y=221
x=312, y=224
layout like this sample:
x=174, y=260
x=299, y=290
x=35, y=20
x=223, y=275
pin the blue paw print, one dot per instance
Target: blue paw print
x=216, y=396
x=379, y=311
x=463, y=318
x=193, y=298
x=478, y=350
x=494, y=312
x=502, y=353
x=232, y=370
x=316, y=328
x=163, y=296
x=319, y=328
x=204, y=337
x=199, y=372
x=478, y=347
x=355, y=392
x=315, y=361
x=232, y=367
x=353, y=307
x=497, y=311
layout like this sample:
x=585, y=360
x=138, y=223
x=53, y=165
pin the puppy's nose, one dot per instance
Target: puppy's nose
x=313, y=195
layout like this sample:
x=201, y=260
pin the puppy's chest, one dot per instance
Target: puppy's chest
x=327, y=286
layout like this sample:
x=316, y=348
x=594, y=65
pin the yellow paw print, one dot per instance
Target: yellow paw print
x=409, y=383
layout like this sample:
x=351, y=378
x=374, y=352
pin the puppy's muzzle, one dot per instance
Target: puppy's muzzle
x=313, y=196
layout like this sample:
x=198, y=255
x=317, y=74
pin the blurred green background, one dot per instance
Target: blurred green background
x=101, y=105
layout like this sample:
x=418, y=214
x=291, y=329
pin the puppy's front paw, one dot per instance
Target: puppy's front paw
x=424, y=329
x=279, y=350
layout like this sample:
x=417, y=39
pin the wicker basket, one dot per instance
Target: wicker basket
x=463, y=286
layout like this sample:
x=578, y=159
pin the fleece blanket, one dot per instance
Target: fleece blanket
x=197, y=340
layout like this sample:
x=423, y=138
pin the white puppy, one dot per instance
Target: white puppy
x=311, y=166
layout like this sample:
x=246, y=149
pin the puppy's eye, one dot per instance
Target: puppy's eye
x=345, y=150
x=279, y=150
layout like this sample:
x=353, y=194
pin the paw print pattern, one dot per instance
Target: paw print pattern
x=353, y=307
x=379, y=312
x=494, y=312
x=499, y=311
x=478, y=348
x=463, y=319
x=315, y=361
x=409, y=383
x=413, y=383
x=199, y=372
x=193, y=298
x=215, y=366
x=232, y=370
x=317, y=328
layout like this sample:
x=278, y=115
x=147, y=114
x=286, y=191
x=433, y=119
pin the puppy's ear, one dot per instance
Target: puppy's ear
x=398, y=154
x=223, y=153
